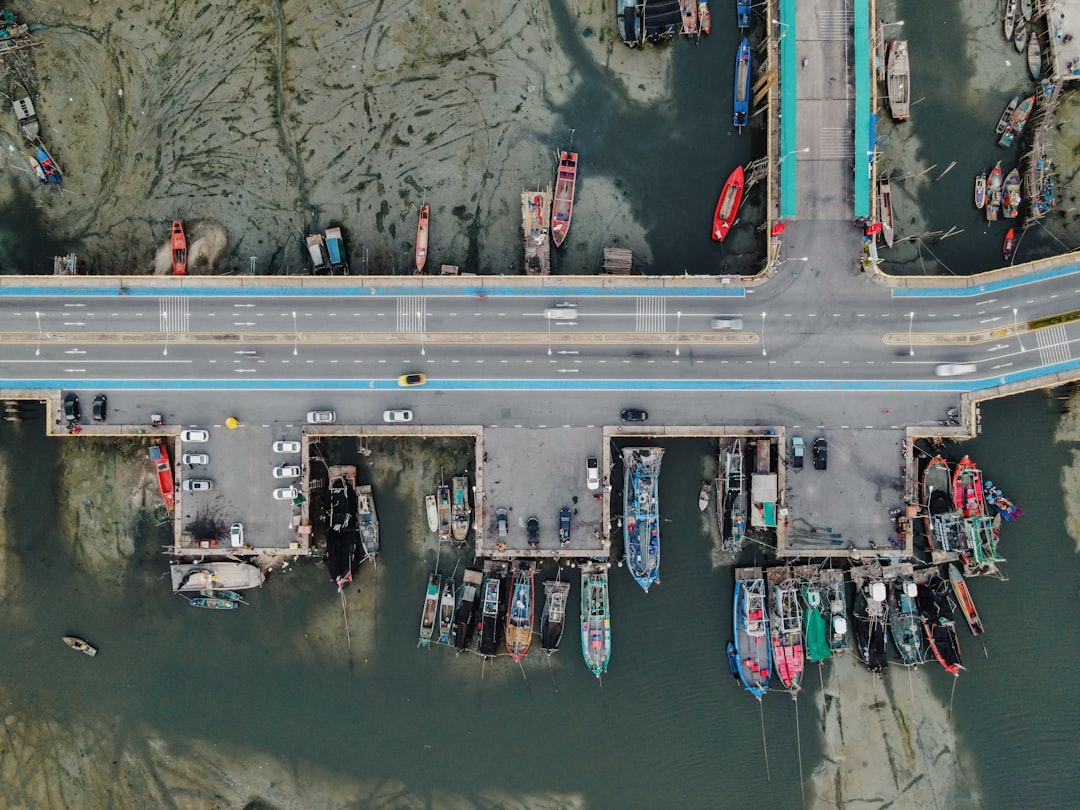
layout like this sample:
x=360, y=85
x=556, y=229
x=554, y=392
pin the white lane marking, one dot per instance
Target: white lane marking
x=1002, y=365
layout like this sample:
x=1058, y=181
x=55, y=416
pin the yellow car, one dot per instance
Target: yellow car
x=412, y=379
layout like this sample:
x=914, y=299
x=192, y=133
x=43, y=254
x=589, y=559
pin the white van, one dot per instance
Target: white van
x=954, y=369
x=561, y=313
x=725, y=323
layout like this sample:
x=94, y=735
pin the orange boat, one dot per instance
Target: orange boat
x=422, y=237
x=728, y=205
x=562, y=207
x=179, y=248
x=159, y=454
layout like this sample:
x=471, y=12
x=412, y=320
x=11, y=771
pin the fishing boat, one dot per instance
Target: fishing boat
x=1006, y=115
x=661, y=19
x=39, y=172
x=595, y=618
x=1010, y=18
x=422, y=237
x=429, y=616
x=628, y=17
x=963, y=598
x=444, y=512
x=213, y=603
x=519, y=613
x=562, y=206
x=80, y=645
x=993, y=496
x=461, y=514
x=215, y=576
x=52, y=171
x=489, y=613
x=735, y=494
x=936, y=498
x=1020, y=35
x=816, y=628
x=447, y=608
x=785, y=629
x=431, y=509
x=871, y=622
x=967, y=488
x=468, y=603
x=1007, y=244
x=832, y=581
x=1010, y=201
x=753, y=658
x=742, y=14
x=535, y=207
x=704, y=17
x=742, y=88
x=641, y=524
x=179, y=248
x=368, y=521
x=1034, y=55
x=689, y=18
x=1017, y=121
x=898, y=79
x=886, y=205
x=556, y=594
x=905, y=622
x=25, y=114
x=980, y=190
x=993, y=198
x=159, y=455
x=704, y=496
x=342, y=536
x=938, y=624
x=225, y=594
x=727, y=207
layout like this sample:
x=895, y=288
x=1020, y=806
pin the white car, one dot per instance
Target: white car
x=287, y=471
x=561, y=313
x=195, y=458
x=286, y=447
x=725, y=323
x=321, y=417
x=953, y=369
x=194, y=435
x=285, y=494
x=236, y=535
x=592, y=472
x=400, y=415
x=197, y=485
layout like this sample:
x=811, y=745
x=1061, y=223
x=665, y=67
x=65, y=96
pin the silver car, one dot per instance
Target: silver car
x=287, y=471
x=195, y=458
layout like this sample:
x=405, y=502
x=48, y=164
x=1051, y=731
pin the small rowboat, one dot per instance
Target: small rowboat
x=727, y=207
x=48, y=166
x=1006, y=115
x=885, y=200
x=1020, y=33
x=963, y=597
x=179, y=248
x=1010, y=18
x=1025, y=9
x=422, y=237
x=704, y=17
x=77, y=643
x=980, y=190
x=38, y=171
x=689, y=10
x=742, y=85
x=213, y=603
x=1034, y=56
x=432, y=509
x=562, y=206
x=1008, y=245
x=704, y=496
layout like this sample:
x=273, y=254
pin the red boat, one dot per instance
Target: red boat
x=562, y=206
x=422, y=237
x=728, y=205
x=159, y=454
x=967, y=489
x=179, y=248
x=704, y=17
x=1008, y=245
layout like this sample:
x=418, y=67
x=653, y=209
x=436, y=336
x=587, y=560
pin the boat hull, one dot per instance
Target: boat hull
x=641, y=525
x=215, y=576
x=179, y=248
x=519, y=614
x=741, y=103
x=562, y=205
x=595, y=619
x=422, y=237
x=753, y=650
x=429, y=615
x=727, y=207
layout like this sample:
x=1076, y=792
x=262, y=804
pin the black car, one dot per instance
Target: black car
x=101, y=404
x=634, y=415
x=821, y=454
x=532, y=526
x=72, y=411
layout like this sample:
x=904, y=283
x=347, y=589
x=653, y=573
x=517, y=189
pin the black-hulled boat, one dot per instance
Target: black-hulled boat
x=341, y=532
x=939, y=626
x=871, y=625
x=552, y=624
x=905, y=622
x=468, y=604
x=490, y=605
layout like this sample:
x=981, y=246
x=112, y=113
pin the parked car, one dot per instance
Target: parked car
x=194, y=435
x=195, y=458
x=798, y=448
x=592, y=472
x=953, y=369
x=501, y=523
x=564, y=525
x=197, y=485
x=532, y=529
x=101, y=405
x=287, y=471
x=412, y=379
x=285, y=494
x=634, y=415
x=286, y=447
x=236, y=535
x=821, y=453
x=321, y=417
x=399, y=415
x=72, y=411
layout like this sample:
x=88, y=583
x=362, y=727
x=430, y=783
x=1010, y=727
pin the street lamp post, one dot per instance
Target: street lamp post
x=802, y=151
x=296, y=334
x=37, y=351
x=549, y=336
x=165, y=351
x=678, y=321
x=1016, y=330
x=763, y=352
x=420, y=317
x=783, y=27
x=911, y=323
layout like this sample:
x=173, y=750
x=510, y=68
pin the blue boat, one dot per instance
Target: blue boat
x=753, y=653
x=52, y=172
x=641, y=516
x=742, y=11
x=628, y=17
x=742, y=85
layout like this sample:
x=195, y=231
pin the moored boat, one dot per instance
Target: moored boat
x=814, y=624
x=52, y=171
x=963, y=598
x=342, y=537
x=704, y=17
x=871, y=620
x=742, y=14
x=1010, y=18
x=39, y=172
x=368, y=521
x=80, y=645
x=832, y=581
x=447, y=608
x=595, y=618
x=1006, y=115
x=980, y=190
x=444, y=512
x=1010, y=200
x=735, y=494
x=535, y=207
x=967, y=488
x=461, y=514
x=753, y=651
x=641, y=522
x=690, y=18
x=1020, y=32
x=938, y=624
x=556, y=595
x=742, y=86
x=936, y=498
x=159, y=455
x=993, y=194
x=519, y=613
x=431, y=508
x=1034, y=55
x=628, y=17
x=1008, y=244
x=179, y=248
x=904, y=621
x=785, y=629
x=1017, y=121
x=993, y=496
x=213, y=603
x=422, y=237
x=886, y=205
x=429, y=615
x=562, y=205
x=25, y=114
x=489, y=612
x=704, y=496
x=727, y=207
x=215, y=576
x=468, y=604
x=1025, y=10
x=898, y=79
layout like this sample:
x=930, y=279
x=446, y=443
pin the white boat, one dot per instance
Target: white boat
x=705, y=495
x=215, y=576
x=432, y=508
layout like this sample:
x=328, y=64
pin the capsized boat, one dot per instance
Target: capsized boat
x=898, y=79
x=179, y=248
x=905, y=622
x=444, y=512
x=641, y=521
x=52, y=171
x=1006, y=116
x=967, y=488
x=215, y=576
x=871, y=623
x=429, y=615
x=562, y=205
x=704, y=496
x=727, y=207
x=80, y=645
x=938, y=624
x=519, y=613
x=886, y=206
x=817, y=641
x=489, y=613
x=742, y=14
x=422, y=237
x=556, y=594
x=742, y=86
x=431, y=508
x=690, y=18
x=963, y=598
x=447, y=608
x=1008, y=244
x=368, y=521
x=753, y=659
x=1034, y=55
x=980, y=190
x=468, y=603
x=785, y=629
x=595, y=618
x=704, y=17
x=159, y=455
x=462, y=510
x=832, y=582
x=1002, y=505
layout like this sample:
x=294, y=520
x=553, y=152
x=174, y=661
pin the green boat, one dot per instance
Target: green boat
x=233, y=596
x=817, y=639
x=595, y=618
x=213, y=603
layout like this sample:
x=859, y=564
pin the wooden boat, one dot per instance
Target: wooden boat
x=785, y=629
x=52, y=171
x=444, y=512
x=936, y=497
x=80, y=645
x=752, y=662
x=447, y=607
x=742, y=85
x=225, y=594
x=468, y=604
x=1011, y=198
x=967, y=488
x=39, y=172
x=939, y=626
x=159, y=456
x=535, y=207
x=430, y=613
x=562, y=205
x=690, y=18
x=815, y=625
x=993, y=496
x=886, y=206
x=1020, y=33
x=1010, y=18
x=898, y=79
x=422, y=237
x=628, y=17
x=213, y=603
x=489, y=612
x=556, y=595
x=461, y=513
x=1006, y=115
x=641, y=505
x=215, y=576
x=1017, y=121
x=704, y=17
x=993, y=194
x=367, y=522
x=1025, y=9
x=431, y=508
x=519, y=613
x=871, y=620
x=1008, y=244
x=905, y=622
x=727, y=207
x=735, y=494
x=832, y=581
x=595, y=618
x=742, y=14
x=179, y=248
x=963, y=598
x=1034, y=55
x=705, y=495
x=980, y=190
